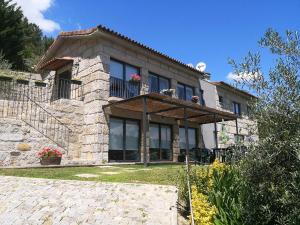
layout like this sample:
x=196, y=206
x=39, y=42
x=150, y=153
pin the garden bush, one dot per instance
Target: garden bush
x=215, y=194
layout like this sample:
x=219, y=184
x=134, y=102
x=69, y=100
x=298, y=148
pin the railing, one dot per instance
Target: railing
x=62, y=89
x=18, y=104
x=123, y=89
x=67, y=89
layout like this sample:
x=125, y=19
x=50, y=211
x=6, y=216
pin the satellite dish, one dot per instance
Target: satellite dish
x=190, y=65
x=201, y=66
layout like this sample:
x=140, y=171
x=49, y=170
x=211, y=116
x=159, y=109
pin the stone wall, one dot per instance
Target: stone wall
x=19, y=144
x=21, y=131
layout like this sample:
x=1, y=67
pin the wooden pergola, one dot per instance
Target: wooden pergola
x=162, y=105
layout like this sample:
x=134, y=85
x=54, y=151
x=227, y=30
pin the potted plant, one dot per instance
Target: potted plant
x=50, y=156
x=195, y=98
x=40, y=83
x=168, y=92
x=135, y=78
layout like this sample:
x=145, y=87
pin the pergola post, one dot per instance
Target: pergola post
x=187, y=150
x=187, y=159
x=236, y=126
x=145, y=128
x=216, y=132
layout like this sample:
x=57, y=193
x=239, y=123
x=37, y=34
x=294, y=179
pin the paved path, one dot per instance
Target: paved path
x=41, y=201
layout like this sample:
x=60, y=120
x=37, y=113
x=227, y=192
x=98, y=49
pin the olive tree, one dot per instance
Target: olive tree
x=271, y=169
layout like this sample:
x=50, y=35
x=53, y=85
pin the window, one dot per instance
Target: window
x=221, y=100
x=123, y=139
x=202, y=101
x=160, y=142
x=248, y=110
x=63, y=85
x=238, y=138
x=158, y=83
x=237, y=108
x=184, y=91
x=120, y=75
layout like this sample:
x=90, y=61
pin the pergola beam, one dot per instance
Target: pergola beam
x=164, y=110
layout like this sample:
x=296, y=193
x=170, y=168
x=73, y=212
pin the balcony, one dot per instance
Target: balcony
x=123, y=89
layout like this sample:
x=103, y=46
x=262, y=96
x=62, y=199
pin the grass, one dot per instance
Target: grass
x=154, y=174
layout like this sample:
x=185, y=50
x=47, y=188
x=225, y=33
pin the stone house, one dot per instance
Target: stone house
x=113, y=99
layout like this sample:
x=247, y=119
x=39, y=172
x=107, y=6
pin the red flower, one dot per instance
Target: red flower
x=135, y=77
x=49, y=152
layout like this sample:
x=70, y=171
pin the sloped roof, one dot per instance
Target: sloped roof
x=101, y=28
x=56, y=63
x=226, y=85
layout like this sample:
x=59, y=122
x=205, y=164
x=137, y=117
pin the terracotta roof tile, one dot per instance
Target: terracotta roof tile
x=116, y=34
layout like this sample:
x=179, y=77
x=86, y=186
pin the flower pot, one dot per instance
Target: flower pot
x=168, y=93
x=134, y=81
x=25, y=82
x=50, y=161
x=78, y=82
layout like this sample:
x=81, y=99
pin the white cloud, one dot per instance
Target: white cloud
x=239, y=77
x=34, y=9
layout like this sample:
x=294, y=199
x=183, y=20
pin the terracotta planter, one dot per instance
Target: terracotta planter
x=50, y=161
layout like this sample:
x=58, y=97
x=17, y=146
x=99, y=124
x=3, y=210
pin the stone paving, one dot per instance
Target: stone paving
x=41, y=201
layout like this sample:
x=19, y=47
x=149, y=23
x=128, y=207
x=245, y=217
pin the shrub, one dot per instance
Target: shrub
x=225, y=195
x=203, y=210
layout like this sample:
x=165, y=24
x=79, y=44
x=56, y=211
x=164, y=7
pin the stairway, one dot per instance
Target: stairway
x=19, y=104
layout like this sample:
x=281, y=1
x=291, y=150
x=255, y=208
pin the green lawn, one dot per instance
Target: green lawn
x=154, y=174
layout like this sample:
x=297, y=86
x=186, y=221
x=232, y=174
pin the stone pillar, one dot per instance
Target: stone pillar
x=144, y=81
x=95, y=77
x=174, y=86
x=175, y=145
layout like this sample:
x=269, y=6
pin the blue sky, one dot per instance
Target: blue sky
x=191, y=31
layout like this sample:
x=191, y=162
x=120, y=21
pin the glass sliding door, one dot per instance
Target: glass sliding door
x=160, y=142
x=192, y=133
x=132, y=140
x=120, y=76
x=116, y=139
x=166, y=143
x=185, y=92
x=158, y=83
x=123, y=140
